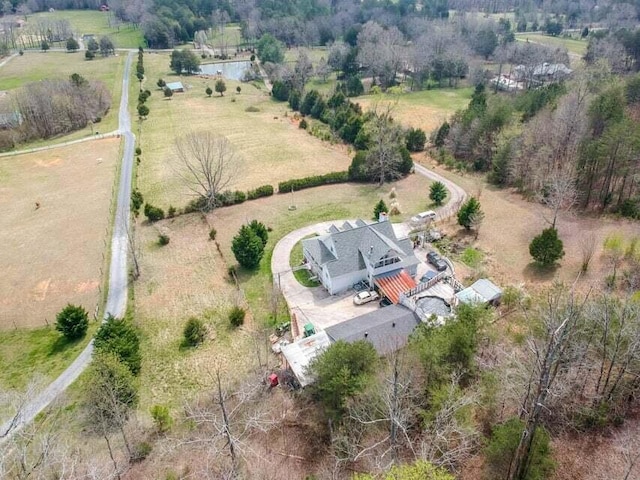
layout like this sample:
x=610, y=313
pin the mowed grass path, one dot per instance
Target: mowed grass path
x=426, y=109
x=52, y=255
x=95, y=22
x=36, y=66
x=271, y=145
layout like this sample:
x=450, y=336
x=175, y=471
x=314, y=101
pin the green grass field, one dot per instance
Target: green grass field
x=98, y=23
x=231, y=37
x=36, y=66
x=573, y=45
x=41, y=352
x=425, y=109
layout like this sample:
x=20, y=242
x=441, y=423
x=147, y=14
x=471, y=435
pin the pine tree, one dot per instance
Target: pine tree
x=437, y=192
x=379, y=208
x=546, y=248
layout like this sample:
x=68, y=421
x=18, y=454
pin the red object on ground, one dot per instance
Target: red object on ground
x=273, y=380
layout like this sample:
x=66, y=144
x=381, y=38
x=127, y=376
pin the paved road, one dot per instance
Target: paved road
x=117, y=296
x=6, y=60
x=302, y=299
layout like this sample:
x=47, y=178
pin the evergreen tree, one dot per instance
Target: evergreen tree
x=247, y=247
x=380, y=207
x=120, y=337
x=547, y=247
x=72, y=322
x=437, y=192
x=467, y=212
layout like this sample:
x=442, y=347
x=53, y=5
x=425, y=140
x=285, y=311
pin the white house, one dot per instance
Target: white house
x=358, y=252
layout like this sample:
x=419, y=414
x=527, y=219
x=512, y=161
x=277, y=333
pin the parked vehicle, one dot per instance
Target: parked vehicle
x=423, y=217
x=365, y=297
x=428, y=276
x=436, y=260
x=385, y=302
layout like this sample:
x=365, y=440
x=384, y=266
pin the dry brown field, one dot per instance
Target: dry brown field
x=53, y=255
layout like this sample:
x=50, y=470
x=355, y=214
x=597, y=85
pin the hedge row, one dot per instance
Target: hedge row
x=263, y=191
x=315, y=181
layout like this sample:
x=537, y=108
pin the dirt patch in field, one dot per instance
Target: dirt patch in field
x=417, y=116
x=53, y=228
x=510, y=224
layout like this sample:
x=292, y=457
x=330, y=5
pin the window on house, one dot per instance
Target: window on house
x=383, y=262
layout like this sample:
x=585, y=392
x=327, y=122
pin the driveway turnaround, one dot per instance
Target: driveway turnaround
x=315, y=305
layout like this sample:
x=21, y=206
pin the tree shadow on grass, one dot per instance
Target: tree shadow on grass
x=63, y=343
x=537, y=272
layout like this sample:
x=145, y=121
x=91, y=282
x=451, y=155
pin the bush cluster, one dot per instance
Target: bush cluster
x=152, y=213
x=236, y=316
x=315, y=181
x=228, y=198
x=263, y=191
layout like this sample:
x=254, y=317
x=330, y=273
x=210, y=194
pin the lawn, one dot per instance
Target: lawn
x=188, y=277
x=36, y=66
x=52, y=254
x=573, y=45
x=38, y=354
x=83, y=22
x=269, y=142
x=426, y=109
x=231, y=37
x=304, y=275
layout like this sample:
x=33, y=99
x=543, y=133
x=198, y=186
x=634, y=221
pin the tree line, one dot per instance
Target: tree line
x=54, y=107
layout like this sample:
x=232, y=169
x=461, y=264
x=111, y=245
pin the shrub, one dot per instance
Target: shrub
x=416, y=139
x=238, y=89
x=161, y=418
x=247, y=247
x=236, y=316
x=315, y=181
x=138, y=151
x=136, y=201
x=172, y=211
x=630, y=208
x=546, y=248
x=72, y=322
x=467, y=211
x=252, y=108
x=357, y=171
x=152, y=213
x=380, y=207
x=163, y=240
x=280, y=91
x=303, y=124
x=442, y=134
x=437, y=192
x=228, y=198
x=263, y=191
x=120, y=337
x=309, y=102
x=212, y=234
x=208, y=91
x=260, y=230
x=194, y=332
x=294, y=100
x=141, y=451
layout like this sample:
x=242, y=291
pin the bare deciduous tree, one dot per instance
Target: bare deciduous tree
x=207, y=165
x=560, y=193
x=587, y=249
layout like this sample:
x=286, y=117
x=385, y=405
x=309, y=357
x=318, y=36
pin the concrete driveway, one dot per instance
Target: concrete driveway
x=315, y=305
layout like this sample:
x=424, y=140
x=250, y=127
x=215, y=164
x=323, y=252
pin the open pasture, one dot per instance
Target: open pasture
x=53, y=229
x=262, y=132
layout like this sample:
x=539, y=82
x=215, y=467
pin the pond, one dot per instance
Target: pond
x=230, y=70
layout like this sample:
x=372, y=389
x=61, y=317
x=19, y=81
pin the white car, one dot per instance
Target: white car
x=423, y=217
x=365, y=297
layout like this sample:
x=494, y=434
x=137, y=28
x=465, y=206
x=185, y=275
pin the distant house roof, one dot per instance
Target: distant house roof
x=387, y=328
x=551, y=69
x=175, y=86
x=344, y=249
x=300, y=354
x=481, y=291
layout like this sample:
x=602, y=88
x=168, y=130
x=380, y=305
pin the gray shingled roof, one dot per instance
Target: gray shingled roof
x=388, y=328
x=354, y=242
